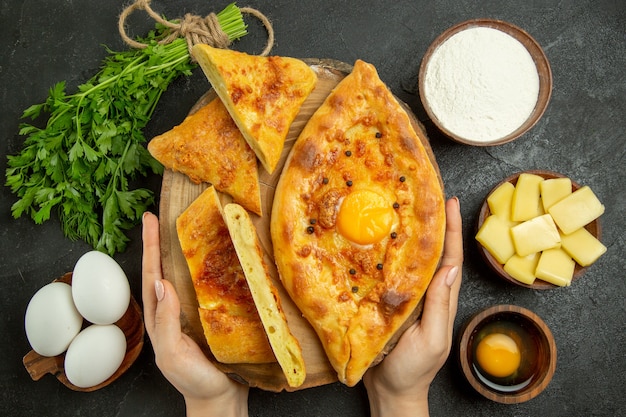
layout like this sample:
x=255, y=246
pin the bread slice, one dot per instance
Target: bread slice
x=232, y=326
x=285, y=346
x=208, y=147
x=262, y=94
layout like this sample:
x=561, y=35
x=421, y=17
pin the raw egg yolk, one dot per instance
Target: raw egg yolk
x=364, y=217
x=498, y=355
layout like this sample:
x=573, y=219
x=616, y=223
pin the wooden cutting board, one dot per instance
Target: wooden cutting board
x=178, y=192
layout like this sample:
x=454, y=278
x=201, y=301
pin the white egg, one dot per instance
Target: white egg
x=100, y=288
x=94, y=355
x=51, y=319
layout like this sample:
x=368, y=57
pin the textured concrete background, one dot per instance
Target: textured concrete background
x=582, y=135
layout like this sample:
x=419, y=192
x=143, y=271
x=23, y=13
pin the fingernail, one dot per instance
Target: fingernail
x=143, y=217
x=452, y=274
x=159, y=289
x=456, y=199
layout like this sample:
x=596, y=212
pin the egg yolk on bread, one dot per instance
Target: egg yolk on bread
x=364, y=217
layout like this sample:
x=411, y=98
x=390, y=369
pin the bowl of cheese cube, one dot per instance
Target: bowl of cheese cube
x=539, y=229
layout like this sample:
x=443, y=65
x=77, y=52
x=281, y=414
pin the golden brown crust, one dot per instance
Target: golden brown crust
x=234, y=338
x=359, y=139
x=262, y=94
x=227, y=310
x=208, y=147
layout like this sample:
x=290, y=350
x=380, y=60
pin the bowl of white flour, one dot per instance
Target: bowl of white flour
x=485, y=82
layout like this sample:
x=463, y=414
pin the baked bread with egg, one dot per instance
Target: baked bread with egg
x=358, y=222
x=208, y=147
x=262, y=94
x=229, y=317
x=285, y=346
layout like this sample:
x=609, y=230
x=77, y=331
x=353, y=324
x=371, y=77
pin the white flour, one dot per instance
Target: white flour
x=481, y=84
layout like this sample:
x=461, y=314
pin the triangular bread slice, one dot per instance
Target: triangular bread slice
x=262, y=94
x=285, y=346
x=232, y=327
x=208, y=147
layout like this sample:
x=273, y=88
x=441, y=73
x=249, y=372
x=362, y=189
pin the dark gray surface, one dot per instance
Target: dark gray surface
x=582, y=135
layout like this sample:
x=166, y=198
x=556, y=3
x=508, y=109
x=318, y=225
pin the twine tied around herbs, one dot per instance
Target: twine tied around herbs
x=195, y=29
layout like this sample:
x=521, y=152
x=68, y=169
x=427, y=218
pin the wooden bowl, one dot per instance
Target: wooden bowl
x=538, y=357
x=538, y=56
x=594, y=228
x=131, y=324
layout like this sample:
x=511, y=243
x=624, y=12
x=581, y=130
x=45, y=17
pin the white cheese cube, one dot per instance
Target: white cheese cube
x=499, y=201
x=495, y=236
x=582, y=246
x=554, y=190
x=526, y=202
x=535, y=235
x=556, y=267
x=522, y=268
x=576, y=210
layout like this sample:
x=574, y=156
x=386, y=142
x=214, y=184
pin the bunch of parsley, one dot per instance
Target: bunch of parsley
x=84, y=160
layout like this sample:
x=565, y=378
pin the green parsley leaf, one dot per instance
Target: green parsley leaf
x=92, y=146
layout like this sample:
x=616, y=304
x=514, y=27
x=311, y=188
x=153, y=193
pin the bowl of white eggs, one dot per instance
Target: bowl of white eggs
x=85, y=327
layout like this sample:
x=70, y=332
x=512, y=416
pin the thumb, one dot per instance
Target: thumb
x=167, y=316
x=437, y=305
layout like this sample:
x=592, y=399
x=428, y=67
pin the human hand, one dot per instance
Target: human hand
x=207, y=391
x=399, y=385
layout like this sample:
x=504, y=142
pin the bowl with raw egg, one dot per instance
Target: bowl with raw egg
x=484, y=82
x=507, y=353
x=539, y=229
